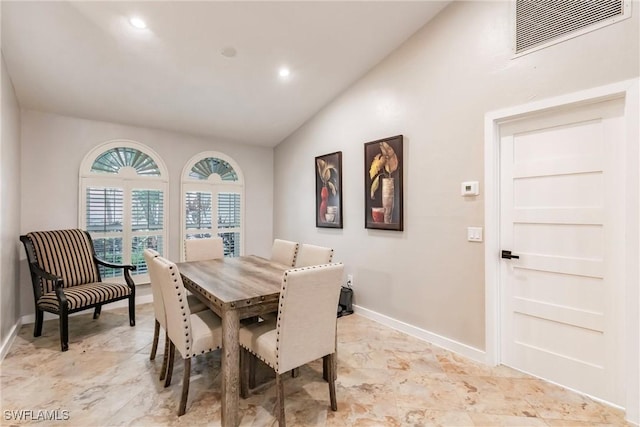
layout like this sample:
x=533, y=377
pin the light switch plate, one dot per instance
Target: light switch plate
x=470, y=188
x=474, y=234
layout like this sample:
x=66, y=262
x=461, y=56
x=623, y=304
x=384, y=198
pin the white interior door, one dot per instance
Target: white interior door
x=562, y=213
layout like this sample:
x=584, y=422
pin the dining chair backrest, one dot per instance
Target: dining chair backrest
x=203, y=249
x=177, y=309
x=306, y=326
x=158, y=302
x=313, y=255
x=284, y=252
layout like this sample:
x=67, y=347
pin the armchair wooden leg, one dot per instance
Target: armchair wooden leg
x=280, y=401
x=172, y=352
x=64, y=329
x=295, y=372
x=165, y=358
x=156, y=336
x=332, y=382
x=132, y=310
x=186, y=377
x=37, y=330
x=97, y=311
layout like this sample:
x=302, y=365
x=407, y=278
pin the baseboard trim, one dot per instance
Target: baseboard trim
x=144, y=299
x=430, y=337
x=6, y=345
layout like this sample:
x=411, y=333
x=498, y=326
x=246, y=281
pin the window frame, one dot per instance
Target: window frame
x=128, y=180
x=214, y=185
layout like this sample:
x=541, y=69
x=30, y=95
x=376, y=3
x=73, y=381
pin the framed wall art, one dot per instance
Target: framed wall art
x=329, y=190
x=383, y=184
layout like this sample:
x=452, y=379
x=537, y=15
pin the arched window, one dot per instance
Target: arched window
x=123, y=203
x=213, y=201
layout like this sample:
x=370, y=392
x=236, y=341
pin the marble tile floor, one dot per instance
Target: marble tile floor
x=385, y=378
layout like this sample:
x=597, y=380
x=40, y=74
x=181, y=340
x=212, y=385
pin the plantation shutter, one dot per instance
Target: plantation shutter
x=147, y=224
x=198, y=211
x=229, y=222
x=104, y=218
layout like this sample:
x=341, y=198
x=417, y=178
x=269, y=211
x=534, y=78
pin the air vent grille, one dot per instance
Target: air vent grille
x=540, y=21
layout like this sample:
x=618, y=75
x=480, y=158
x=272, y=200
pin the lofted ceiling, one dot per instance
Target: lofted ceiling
x=84, y=59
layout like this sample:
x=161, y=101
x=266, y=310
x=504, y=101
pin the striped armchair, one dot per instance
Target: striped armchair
x=66, y=279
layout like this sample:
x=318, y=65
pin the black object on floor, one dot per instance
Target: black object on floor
x=345, y=304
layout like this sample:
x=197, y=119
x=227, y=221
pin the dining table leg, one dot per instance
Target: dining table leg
x=230, y=368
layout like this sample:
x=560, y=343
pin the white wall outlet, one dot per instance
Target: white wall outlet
x=349, y=280
x=474, y=234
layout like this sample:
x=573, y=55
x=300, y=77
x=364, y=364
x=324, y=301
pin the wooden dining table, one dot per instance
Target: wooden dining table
x=235, y=289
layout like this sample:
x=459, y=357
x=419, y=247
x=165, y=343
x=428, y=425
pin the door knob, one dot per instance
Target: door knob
x=509, y=255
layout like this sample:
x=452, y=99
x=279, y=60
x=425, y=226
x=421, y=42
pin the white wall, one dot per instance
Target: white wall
x=9, y=207
x=53, y=147
x=435, y=91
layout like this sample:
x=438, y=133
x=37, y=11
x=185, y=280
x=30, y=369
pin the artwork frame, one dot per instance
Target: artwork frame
x=383, y=167
x=328, y=172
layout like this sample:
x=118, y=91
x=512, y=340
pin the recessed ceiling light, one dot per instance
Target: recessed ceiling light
x=229, y=52
x=138, y=23
x=284, y=72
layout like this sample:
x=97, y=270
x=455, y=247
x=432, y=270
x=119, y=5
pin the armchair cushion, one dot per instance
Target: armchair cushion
x=84, y=296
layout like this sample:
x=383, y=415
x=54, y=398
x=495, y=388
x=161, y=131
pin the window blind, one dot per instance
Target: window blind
x=147, y=210
x=104, y=209
x=198, y=210
x=228, y=210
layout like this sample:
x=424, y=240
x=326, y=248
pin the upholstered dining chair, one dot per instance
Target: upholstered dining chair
x=313, y=255
x=287, y=253
x=307, y=255
x=195, y=305
x=203, y=249
x=284, y=252
x=191, y=333
x=305, y=329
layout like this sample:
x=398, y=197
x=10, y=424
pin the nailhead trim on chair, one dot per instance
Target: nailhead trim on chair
x=185, y=318
x=284, y=286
